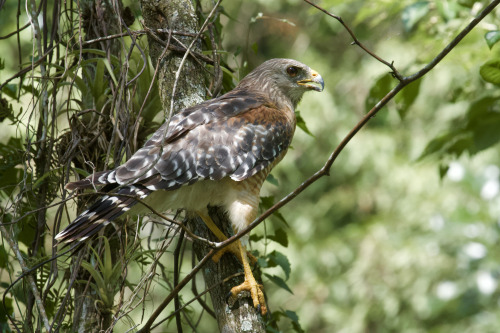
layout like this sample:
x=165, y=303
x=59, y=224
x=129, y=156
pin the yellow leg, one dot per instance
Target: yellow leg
x=232, y=248
x=250, y=284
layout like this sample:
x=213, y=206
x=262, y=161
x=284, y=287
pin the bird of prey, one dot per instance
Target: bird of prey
x=216, y=153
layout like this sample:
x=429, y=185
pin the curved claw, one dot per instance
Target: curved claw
x=250, y=284
x=256, y=292
x=228, y=296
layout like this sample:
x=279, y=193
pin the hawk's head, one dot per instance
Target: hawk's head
x=284, y=80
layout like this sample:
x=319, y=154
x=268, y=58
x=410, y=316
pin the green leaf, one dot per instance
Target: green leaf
x=268, y=202
x=255, y=238
x=378, y=90
x=10, y=90
x=443, y=170
x=42, y=179
x=490, y=71
x=107, y=269
x=280, y=237
x=466, y=3
x=483, y=121
x=100, y=283
x=25, y=230
x=406, y=98
x=492, y=37
x=453, y=143
x=413, y=13
x=110, y=71
x=270, y=329
x=255, y=48
x=295, y=321
x=6, y=308
x=81, y=172
x=302, y=124
x=276, y=258
x=6, y=110
x=448, y=9
x=3, y=257
x=270, y=178
x=99, y=81
x=279, y=282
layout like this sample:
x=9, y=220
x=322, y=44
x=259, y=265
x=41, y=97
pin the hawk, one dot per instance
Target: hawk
x=216, y=153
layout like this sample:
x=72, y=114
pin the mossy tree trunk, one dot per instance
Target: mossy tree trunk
x=180, y=15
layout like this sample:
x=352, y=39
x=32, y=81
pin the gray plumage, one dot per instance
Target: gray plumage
x=225, y=140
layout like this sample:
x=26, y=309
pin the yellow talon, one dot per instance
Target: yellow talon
x=236, y=248
x=251, y=285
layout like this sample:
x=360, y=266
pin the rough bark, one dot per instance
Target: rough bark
x=180, y=15
x=177, y=15
x=241, y=316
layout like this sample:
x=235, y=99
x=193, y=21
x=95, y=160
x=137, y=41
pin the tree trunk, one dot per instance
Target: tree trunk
x=242, y=316
x=180, y=15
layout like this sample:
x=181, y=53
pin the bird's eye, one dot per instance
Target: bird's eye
x=292, y=71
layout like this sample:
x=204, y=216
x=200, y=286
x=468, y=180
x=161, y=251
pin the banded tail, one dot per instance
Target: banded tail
x=102, y=212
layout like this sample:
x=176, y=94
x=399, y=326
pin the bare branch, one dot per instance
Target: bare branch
x=356, y=40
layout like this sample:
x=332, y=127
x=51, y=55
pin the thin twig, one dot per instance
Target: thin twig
x=139, y=32
x=174, y=48
x=177, y=302
x=357, y=42
x=31, y=280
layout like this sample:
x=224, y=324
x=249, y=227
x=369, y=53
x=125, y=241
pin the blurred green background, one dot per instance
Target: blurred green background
x=390, y=242
x=403, y=236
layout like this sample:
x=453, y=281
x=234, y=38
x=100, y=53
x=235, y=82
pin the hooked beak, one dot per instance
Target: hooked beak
x=314, y=83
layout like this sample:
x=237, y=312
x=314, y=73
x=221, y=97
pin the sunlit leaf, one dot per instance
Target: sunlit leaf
x=490, y=71
x=448, y=9
x=492, y=37
x=414, y=13
x=302, y=124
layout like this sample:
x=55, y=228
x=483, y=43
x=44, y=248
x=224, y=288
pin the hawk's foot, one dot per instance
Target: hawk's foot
x=256, y=292
x=250, y=284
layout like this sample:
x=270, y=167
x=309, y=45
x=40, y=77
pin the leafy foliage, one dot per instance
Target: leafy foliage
x=401, y=237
